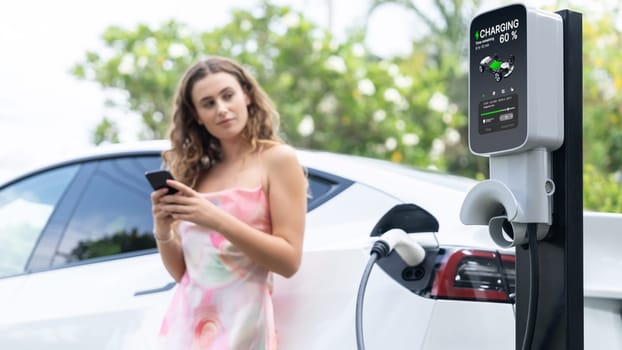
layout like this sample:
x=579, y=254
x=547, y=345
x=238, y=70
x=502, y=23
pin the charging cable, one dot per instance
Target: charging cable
x=406, y=247
x=534, y=285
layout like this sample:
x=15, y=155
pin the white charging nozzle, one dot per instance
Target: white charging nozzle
x=406, y=246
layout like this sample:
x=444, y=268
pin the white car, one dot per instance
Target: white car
x=79, y=268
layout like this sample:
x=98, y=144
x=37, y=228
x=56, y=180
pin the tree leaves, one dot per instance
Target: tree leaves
x=337, y=96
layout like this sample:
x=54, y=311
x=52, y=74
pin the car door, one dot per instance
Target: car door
x=97, y=280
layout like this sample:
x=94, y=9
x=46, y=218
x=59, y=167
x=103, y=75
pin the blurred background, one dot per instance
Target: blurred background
x=379, y=78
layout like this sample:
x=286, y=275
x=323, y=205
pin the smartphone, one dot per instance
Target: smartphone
x=157, y=179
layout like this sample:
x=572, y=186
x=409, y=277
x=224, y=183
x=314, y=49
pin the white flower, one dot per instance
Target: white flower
x=158, y=116
x=151, y=44
x=410, y=139
x=246, y=25
x=379, y=115
x=438, y=147
x=167, y=65
x=306, y=126
x=335, y=63
x=392, y=95
x=403, y=82
x=291, y=20
x=448, y=118
x=317, y=34
x=316, y=45
x=453, y=108
x=360, y=73
x=251, y=46
x=452, y=136
x=278, y=28
x=127, y=64
x=358, y=50
x=438, y=102
x=393, y=70
x=142, y=62
x=366, y=87
x=390, y=143
x=328, y=104
x=379, y=149
x=400, y=125
x=177, y=50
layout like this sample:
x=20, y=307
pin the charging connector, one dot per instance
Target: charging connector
x=406, y=247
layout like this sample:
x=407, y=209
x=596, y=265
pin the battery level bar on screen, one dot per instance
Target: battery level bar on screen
x=497, y=111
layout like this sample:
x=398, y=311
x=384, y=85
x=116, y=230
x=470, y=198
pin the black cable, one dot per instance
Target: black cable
x=534, y=279
x=360, y=344
x=379, y=250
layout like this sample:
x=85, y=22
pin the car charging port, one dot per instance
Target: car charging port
x=413, y=273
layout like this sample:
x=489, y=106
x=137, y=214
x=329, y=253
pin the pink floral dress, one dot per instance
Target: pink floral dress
x=223, y=301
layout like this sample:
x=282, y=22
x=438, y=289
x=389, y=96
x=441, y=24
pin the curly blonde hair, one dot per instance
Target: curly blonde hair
x=193, y=149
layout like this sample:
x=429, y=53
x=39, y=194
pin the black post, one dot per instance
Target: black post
x=559, y=323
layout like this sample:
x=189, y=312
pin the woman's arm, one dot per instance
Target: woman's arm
x=169, y=243
x=280, y=252
x=171, y=253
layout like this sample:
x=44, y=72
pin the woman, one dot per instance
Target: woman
x=238, y=215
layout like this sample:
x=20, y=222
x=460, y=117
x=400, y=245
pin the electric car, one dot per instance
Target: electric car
x=499, y=69
x=79, y=268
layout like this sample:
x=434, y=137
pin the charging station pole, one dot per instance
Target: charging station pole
x=559, y=322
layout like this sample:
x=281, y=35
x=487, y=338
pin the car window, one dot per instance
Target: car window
x=322, y=187
x=113, y=214
x=25, y=208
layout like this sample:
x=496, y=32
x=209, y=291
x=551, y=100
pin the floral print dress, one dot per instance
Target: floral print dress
x=223, y=301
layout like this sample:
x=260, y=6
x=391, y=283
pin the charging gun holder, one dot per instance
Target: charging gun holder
x=515, y=118
x=519, y=192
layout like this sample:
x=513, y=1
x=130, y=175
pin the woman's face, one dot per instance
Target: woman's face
x=221, y=105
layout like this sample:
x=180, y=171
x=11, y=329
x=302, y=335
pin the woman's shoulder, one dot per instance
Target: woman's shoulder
x=283, y=167
x=279, y=153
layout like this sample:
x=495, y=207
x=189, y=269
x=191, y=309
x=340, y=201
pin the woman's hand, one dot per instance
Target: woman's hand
x=189, y=205
x=162, y=219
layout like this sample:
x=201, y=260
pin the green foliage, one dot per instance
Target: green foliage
x=602, y=115
x=107, y=130
x=601, y=192
x=145, y=64
x=331, y=95
x=438, y=62
x=337, y=96
x=602, y=93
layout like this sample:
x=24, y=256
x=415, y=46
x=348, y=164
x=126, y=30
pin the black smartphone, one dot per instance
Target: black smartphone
x=157, y=179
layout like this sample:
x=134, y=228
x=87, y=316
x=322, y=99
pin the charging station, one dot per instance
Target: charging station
x=525, y=114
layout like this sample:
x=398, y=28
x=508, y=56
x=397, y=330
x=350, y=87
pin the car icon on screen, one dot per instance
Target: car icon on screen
x=499, y=69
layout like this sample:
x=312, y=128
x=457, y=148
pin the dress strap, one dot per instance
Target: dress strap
x=262, y=168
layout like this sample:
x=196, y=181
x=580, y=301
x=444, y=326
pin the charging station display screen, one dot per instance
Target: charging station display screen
x=498, y=114
x=498, y=80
